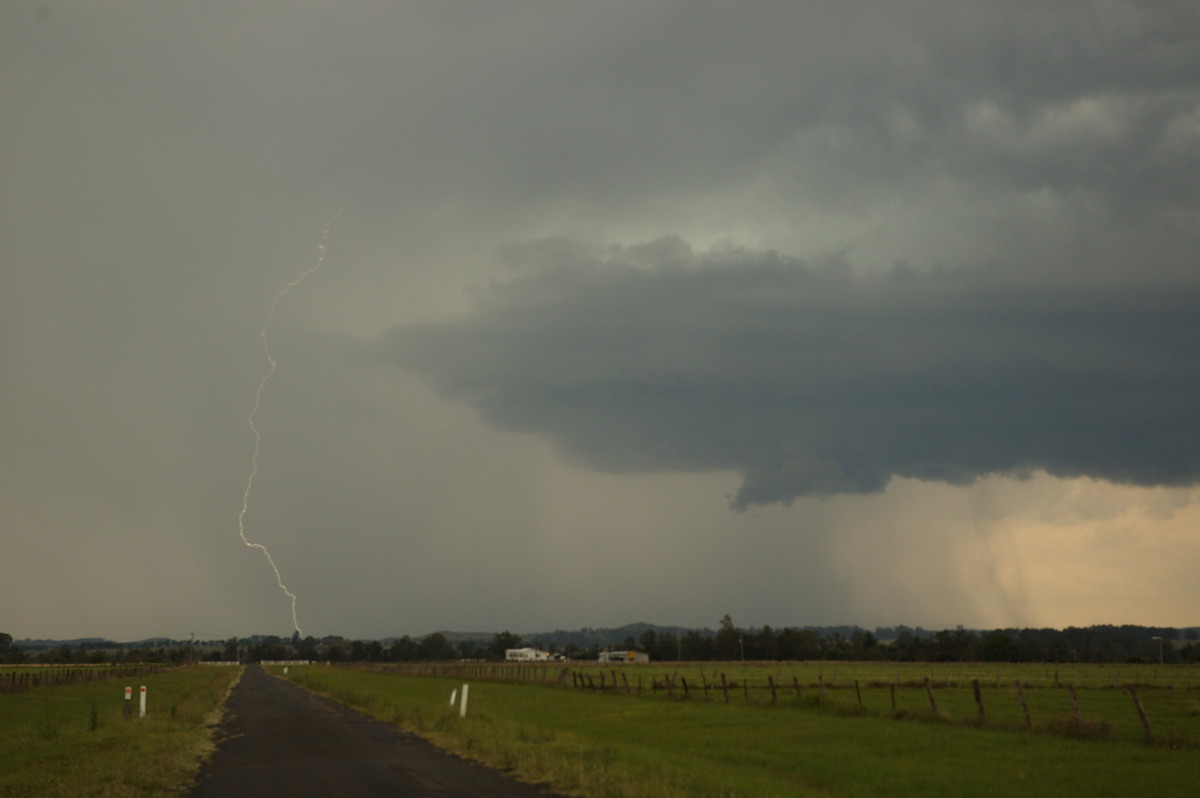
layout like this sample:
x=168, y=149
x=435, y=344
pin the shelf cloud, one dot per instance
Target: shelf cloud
x=809, y=380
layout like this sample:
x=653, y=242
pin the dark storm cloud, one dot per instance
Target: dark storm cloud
x=166, y=168
x=809, y=380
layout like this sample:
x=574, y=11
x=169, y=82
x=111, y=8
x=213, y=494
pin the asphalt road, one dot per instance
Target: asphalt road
x=279, y=740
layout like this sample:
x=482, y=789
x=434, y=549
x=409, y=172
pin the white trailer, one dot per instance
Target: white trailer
x=639, y=657
x=526, y=655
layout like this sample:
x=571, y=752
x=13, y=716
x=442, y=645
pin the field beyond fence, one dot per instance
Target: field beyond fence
x=797, y=729
x=15, y=679
x=1134, y=702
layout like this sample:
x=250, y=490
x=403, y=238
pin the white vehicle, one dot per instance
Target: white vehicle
x=526, y=655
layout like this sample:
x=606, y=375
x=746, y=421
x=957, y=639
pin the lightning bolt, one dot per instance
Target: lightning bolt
x=262, y=384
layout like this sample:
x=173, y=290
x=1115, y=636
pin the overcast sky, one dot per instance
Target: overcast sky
x=806, y=312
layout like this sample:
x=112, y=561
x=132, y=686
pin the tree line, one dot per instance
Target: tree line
x=1112, y=644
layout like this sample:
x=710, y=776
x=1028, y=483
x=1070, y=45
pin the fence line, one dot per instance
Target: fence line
x=17, y=681
x=674, y=685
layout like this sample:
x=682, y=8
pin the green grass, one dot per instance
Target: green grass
x=614, y=744
x=73, y=740
x=14, y=678
x=844, y=674
x=1170, y=695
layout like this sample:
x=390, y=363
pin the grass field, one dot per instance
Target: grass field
x=843, y=674
x=73, y=740
x=1170, y=696
x=14, y=678
x=614, y=743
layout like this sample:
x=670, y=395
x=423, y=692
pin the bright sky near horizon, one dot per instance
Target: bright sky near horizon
x=810, y=313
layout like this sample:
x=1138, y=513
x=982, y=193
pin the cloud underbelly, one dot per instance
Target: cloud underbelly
x=810, y=381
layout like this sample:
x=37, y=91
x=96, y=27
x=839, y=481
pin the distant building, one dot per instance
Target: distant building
x=637, y=657
x=526, y=655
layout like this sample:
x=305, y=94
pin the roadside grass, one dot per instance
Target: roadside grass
x=605, y=745
x=73, y=740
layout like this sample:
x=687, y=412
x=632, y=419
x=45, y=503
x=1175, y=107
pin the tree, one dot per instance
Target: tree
x=502, y=642
x=999, y=646
x=766, y=644
x=306, y=648
x=403, y=650
x=802, y=644
x=8, y=651
x=649, y=643
x=335, y=651
x=957, y=646
x=696, y=647
x=668, y=647
x=863, y=645
x=435, y=647
x=728, y=641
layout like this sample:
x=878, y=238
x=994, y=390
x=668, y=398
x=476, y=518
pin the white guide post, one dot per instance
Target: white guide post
x=462, y=708
x=453, y=696
x=142, y=709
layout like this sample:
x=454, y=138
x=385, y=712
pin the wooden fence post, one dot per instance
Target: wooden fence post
x=858, y=693
x=978, y=698
x=1075, y=703
x=1024, y=706
x=1141, y=712
x=929, y=692
x=725, y=688
x=771, y=684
